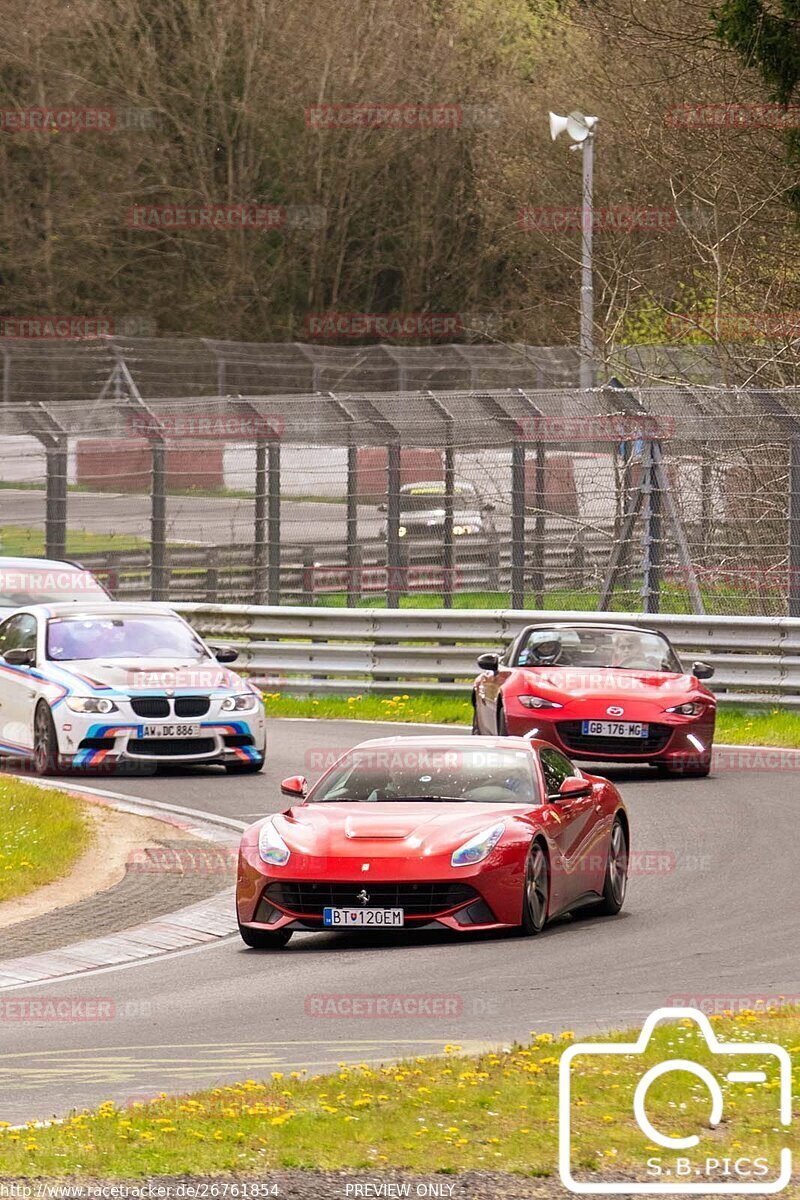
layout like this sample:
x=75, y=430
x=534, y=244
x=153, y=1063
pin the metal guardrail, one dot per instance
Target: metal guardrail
x=351, y=651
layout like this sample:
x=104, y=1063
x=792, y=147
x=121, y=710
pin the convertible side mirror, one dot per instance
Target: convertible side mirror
x=573, y=788
x=383, y=508
x=489, y=662
x=295, y=785
x=488, y=508
x=20, y=658
x=224, y=654
x=702, y=670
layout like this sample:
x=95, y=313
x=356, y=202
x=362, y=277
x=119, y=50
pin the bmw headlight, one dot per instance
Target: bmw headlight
x=244, y=703
x=538, y=702
x=91, y=704
x=478, y=847
x=272, y=847
x=692, y=708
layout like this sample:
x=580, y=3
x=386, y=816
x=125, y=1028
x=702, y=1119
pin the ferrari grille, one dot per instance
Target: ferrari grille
x=416, y=899
x=573, y=737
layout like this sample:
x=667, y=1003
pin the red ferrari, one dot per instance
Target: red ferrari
x=609, y=693
x=435, y=833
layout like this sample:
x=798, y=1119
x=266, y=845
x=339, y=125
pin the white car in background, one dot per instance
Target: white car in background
x=26, y=581
x=84, y=686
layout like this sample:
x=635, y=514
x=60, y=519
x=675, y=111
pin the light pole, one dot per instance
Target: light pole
x=581, y=130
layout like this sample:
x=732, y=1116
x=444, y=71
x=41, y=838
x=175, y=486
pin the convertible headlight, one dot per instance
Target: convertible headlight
x=91, y=704
x=401, y=531
x=692, y=708
x=458, y=530
x=478, y=847
x=245, y=703
x=537, y=702
x=272, y=847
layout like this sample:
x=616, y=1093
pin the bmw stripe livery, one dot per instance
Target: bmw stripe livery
x=94, y=685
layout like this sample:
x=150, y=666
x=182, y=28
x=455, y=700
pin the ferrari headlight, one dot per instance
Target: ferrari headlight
x=537, y=702
x=272, y=847
x=692, y=708
x=245, y=703
x=478, y=847
x=91, y=704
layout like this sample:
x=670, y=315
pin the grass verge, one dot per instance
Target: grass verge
x=757, y=727
x=21, y=540
x=495, y=1111
x=42, y=834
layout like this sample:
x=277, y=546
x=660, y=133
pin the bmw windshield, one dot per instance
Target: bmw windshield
x=394, y=774
x=70, y=639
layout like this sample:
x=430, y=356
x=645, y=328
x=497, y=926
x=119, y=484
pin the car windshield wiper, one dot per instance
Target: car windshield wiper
x=420, y=800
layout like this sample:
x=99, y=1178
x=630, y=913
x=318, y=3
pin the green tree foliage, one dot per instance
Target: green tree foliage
x=770, y=41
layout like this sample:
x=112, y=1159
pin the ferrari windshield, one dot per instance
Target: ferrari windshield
x=71, y=639
x=595, y=646
x=20, y=586
x=396, y=774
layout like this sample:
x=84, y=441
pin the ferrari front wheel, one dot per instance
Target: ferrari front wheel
x=615, y=884
x=536, y=895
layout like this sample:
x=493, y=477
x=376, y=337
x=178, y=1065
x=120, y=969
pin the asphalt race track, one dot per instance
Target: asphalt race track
x=713, y=910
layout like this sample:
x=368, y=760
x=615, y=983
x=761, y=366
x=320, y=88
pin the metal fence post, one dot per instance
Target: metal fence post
x=260, y=525
x=394, y=564
x=651, y=560
x=159, y=574
x=274, y=522
x=793, y=592
x=55, y=537
x=517, y=598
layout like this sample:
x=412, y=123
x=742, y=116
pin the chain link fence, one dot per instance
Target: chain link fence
x=454, y=476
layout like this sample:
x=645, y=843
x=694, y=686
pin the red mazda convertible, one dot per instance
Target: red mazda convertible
x=425, y=833
x=608, y=693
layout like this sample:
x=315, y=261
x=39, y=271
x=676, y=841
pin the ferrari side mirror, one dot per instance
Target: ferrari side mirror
x=295, y=785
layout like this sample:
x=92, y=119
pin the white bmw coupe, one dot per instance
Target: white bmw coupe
x=88, y=686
